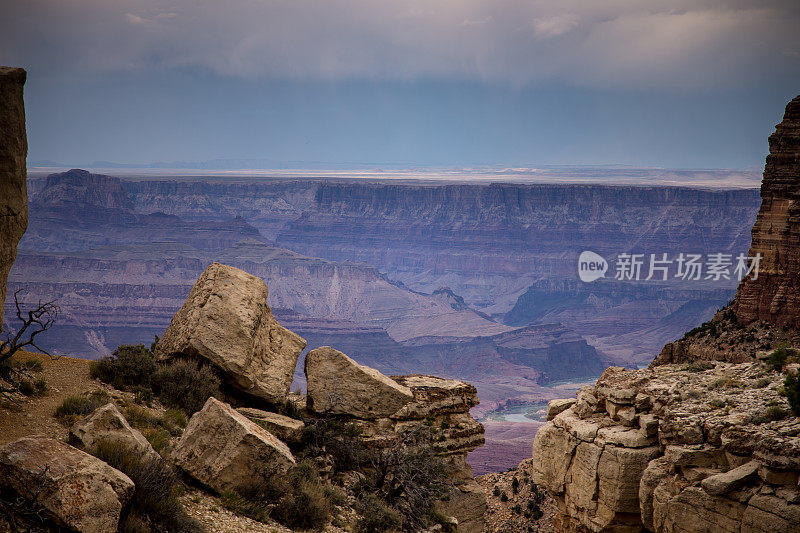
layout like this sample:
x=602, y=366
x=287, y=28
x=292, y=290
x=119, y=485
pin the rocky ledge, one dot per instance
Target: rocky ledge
x=698, y=447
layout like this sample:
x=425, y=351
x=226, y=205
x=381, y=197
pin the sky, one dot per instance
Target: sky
x=679, y=84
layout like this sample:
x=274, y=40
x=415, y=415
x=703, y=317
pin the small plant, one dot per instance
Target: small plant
x=129, y=367
x=74, y=407
x=175, y=417
x=158, y=439
x=185, y=385
x=376, y=516
x=760, y=383
x=31, y=365
x=697, y=366
x=514, y=485
x=503, y=497
x=780, y=357
x=26, y=387
x=144, y=395
x=726, y=383
x=716, y=403
x=773, y=413
x=305, y=505
x=791, y=389
x=496, y=491
x=258, y=511
x=158, y=488
x=517, y=509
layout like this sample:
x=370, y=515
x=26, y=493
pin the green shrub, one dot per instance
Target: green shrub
x=503, y=497
x=158, y=439
x=129, y=366
x=185, y=385
x=73, y=407
x=780, y=357
x=760, y=383
x=697, y=366
x=716, y=403
x=258, y=511
x=141, y=418
x=157, y=488
x=144, y=395
x=31, y=365
x=773, y=413
x=26, y=387
x=340, y=440
x=376, y=516
x=496, y=491
x=517, y=508
x=305, y=505
x=175, y=417
x=515, y=485
x=791, y=388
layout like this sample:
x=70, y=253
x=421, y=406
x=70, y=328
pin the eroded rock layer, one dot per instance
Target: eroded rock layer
x=13, y=175
x=774, y=296
x=674, y=449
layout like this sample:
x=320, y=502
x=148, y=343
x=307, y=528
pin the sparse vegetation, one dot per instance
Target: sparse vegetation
x=716, y=403
x=773, y=413
x=376, y=516
x=305, y=504
x=129, y=367
x=760, y=383
x=74, y=407
x=158, y=488
x=256, y=510
x=778, y=358
x=185, y=385
x=791, y=388
x=697, y=366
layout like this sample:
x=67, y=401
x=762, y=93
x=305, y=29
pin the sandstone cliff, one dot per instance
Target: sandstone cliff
x=13, y=191
x=774, y=296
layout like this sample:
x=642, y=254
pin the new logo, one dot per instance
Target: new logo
x=591, y=266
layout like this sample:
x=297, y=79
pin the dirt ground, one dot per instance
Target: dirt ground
x=65, y=376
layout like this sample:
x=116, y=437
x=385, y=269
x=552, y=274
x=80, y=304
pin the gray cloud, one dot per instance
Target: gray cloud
x=614, y=44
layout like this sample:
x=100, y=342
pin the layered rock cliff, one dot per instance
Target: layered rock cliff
x=774, y=295
x=13, y=190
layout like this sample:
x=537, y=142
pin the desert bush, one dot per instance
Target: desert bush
x=237, y=504
x=158, y=439
x=174, y=418
x=496, y=491
x=26, y=387
x=340, y=440
x=73, y=407
x=697, y=366
x=760, y=383
x=376, y=516
x=157, y=488
x=185, y=385
x=773, y=413
x=779, y=357
x=129, y=366
x=791, y=389
x=305, y=505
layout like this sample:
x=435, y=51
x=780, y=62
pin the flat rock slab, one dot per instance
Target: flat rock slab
x=78, y=490
x=731, y=480
x=107, y=424
x=283, y=427
x=339, y=385
x=226, y=451
x=226, y=321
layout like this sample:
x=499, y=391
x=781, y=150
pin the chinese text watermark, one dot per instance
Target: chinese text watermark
x=661, y=267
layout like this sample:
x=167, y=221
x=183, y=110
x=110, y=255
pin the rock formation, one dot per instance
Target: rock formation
x=13, y=174
x=285, y=428
x=226, y=321
x=774, y=296
x=339, y=385
x=226, y=451
x=107, y=424
x=668, y=449
x=77, y=490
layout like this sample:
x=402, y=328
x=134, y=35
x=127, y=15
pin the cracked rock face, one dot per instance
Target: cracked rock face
x=775, y=295
x=13, y=175
x=227, y=322
x=672, y=449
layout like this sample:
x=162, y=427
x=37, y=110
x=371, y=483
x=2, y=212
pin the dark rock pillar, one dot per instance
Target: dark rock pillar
x=13, y=174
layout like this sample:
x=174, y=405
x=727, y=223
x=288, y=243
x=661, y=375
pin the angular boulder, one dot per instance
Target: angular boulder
x=13, y=174
x=226, y=321
x=283, y=427
x=107, y=424
x=338, y=385
x=78, y=491
x=226, y=451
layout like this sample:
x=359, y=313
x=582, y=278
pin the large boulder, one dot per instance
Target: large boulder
x=13, y=174
x=226, y=451
x=226, y=321
x=77, y=490
x=107, y=424
x=338, y=385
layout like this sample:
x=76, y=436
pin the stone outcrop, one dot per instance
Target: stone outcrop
x=227, y=322
x=107, y=424
x=13, y=174
x=226, y=451
x=774, y=296
x=77, y=490
x=671, y=449
x=285, y=428
x=339, y=385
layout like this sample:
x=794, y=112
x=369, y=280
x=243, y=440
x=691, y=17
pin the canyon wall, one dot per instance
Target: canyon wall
x=774, y=296
x=13, y=176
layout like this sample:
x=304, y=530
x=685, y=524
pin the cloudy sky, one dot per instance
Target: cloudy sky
x=694, y=83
